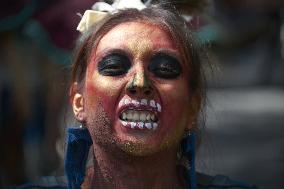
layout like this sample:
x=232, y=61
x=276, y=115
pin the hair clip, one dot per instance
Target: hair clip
x=101, y=9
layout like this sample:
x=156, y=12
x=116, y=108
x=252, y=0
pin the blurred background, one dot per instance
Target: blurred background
x=244, y=135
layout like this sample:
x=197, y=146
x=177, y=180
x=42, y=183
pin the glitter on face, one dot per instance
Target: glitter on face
x=138, y=123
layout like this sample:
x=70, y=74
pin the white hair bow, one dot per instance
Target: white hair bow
x=101, y=9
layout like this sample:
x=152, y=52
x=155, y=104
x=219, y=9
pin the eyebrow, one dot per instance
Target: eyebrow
x=114, y=51
x=175, y=54
x=110, y=51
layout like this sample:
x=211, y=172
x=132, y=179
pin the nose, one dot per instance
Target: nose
x=140, y=85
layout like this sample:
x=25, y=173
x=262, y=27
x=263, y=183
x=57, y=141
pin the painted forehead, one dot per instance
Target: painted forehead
x=137, y=37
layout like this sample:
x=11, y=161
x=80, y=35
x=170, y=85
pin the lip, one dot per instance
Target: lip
x=128, y=126
x=139, y=104
x=137, y=107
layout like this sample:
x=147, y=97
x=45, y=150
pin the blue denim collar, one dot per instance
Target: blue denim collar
x=78, y=145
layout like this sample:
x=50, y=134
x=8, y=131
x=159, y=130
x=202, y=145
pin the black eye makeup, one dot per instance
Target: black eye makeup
x=165, y=66
x=114, y=64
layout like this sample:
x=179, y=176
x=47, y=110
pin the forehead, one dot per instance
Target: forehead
x=137, y=36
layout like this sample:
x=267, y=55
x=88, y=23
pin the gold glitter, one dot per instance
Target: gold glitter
x=141, y=48
x=140, y=80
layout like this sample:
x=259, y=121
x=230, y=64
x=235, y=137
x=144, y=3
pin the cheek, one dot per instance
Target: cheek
x=177, y=101
x=177, y=92
x=175, y=118
x=102, y=90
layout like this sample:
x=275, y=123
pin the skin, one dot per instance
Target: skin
x=127, y=158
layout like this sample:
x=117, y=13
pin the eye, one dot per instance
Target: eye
x=114, y=64
x=164, y=66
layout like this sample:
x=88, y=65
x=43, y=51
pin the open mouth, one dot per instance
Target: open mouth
x=141, y=114
x=139, y=119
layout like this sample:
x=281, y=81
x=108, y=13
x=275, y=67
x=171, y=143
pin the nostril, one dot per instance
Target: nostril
x=132, y=91
x=147, y=92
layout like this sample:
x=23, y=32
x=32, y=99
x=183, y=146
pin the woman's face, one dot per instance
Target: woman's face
x=136, y=94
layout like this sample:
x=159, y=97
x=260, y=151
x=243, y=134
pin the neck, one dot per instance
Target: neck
x=120, y=170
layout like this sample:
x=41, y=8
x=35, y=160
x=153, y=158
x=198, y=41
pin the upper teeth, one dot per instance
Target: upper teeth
x=152, y=103
x=145, y=102
x=138, y=115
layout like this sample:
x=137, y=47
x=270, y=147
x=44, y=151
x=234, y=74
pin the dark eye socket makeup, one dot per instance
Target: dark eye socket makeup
x=162, y=65
x=114, y=64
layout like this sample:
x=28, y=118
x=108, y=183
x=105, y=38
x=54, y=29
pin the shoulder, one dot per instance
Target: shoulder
x=49, y=182
x=220, y=181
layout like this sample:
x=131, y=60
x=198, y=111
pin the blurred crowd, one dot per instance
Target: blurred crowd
x=245, y=40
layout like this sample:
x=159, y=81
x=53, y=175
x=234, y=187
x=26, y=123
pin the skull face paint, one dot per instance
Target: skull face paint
x=136, y=90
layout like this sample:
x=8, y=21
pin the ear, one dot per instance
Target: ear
x=77, y=101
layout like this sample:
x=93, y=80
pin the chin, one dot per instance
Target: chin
x=138, y=148
x=142, y=148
